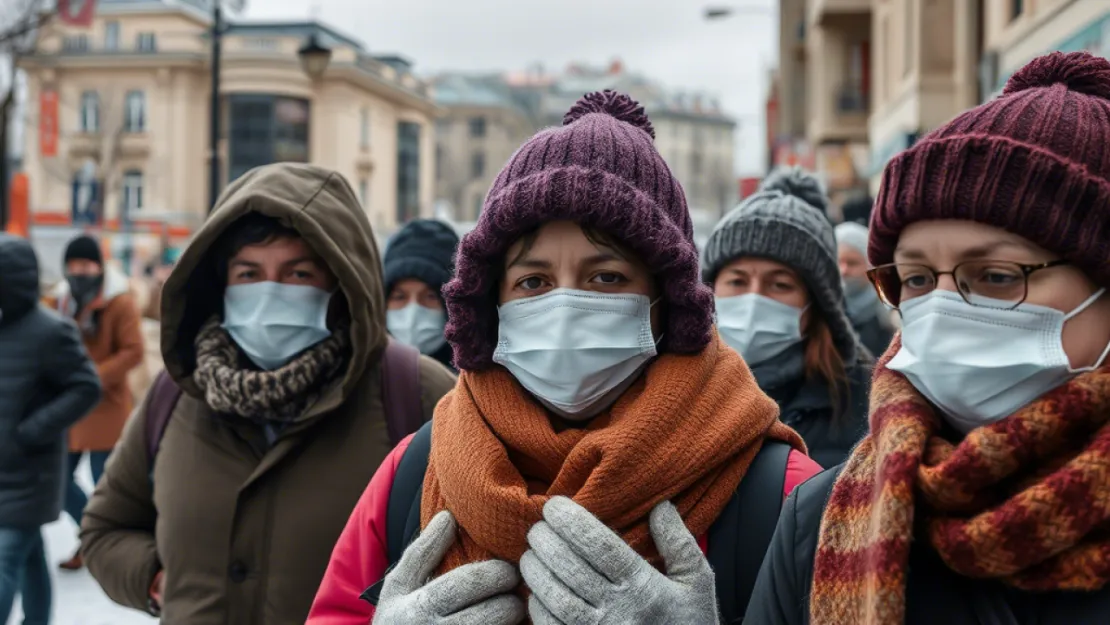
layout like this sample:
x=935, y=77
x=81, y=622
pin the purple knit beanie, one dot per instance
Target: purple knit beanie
x=599, y=169
x=1033, y=161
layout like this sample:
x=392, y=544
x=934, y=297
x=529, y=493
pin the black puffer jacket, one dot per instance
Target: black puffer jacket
x=934, y=594
x=47, y=383
x=808, y=409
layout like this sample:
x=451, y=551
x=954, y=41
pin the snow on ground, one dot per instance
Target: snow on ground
x=78, y=599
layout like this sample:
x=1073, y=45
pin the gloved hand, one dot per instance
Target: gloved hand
x=581, y=572
x=480, y=593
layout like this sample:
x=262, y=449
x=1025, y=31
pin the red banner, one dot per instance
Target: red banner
x=77, y=12
x=48, y=123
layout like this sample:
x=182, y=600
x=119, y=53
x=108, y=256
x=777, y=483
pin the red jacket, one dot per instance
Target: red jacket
x=359, y=559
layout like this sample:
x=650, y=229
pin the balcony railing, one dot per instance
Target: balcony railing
x=852, y=98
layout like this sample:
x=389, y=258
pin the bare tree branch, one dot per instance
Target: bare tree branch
x=19, y=22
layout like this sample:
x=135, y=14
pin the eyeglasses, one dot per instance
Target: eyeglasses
x=999, y=280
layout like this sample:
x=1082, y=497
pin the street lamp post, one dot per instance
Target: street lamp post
x=314, y=58
x=214, y=109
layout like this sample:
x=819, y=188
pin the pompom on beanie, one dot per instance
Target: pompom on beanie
x=785, y=222
x=423, y=249
x=599, y=169
x=1033, y=161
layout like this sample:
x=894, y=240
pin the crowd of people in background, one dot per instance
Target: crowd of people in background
x=574, y=415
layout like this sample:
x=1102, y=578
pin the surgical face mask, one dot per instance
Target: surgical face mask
x=273, y=322
x=571, y=348
x=758, y=327
x=860, y=299
x=418, y=326
x=980, y=364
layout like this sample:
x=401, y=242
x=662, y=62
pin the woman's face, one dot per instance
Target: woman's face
x=941, y=245
x=852, y=263
x=413, y=291
x=763, y=277
x=286, y=260
x=561, y=256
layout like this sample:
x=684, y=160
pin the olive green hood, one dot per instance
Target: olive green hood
x=320, y=205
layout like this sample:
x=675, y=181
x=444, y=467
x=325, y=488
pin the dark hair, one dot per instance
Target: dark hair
x=823, y=362
x=250, y=229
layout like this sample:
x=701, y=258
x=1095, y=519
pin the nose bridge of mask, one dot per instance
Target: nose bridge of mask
x=276, y=304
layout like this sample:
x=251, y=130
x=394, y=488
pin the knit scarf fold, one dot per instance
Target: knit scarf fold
x=278, y=396
x=1025, y=501
x=686, y=432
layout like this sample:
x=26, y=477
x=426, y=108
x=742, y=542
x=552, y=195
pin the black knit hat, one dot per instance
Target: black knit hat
x=423, y=249
x=83, y=247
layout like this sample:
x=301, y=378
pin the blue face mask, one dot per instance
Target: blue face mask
x=273, y=322
x=758, y=327
x=418, y=326
x=860, y=300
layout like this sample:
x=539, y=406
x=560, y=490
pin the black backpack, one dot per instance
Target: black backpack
x=738, y=539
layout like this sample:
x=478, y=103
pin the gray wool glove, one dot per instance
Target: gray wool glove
x=581, y=572
x=480, y=593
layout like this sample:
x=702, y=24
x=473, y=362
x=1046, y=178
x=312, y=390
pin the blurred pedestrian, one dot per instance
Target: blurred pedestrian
x=47, y=383
x=773, y=266
x=870, y=318
x=980, y=494
x=419, y=260
x=599, y=428
x=857, y=209
x=99, y=300
x=281, y=397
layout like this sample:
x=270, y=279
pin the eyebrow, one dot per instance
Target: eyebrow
x=978, y=252
x=302, y=259
x=238, y=262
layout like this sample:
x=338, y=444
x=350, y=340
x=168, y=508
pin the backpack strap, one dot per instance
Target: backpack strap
x=404, y=413
x=164, y=393
x=739, y=538
x=402, y=522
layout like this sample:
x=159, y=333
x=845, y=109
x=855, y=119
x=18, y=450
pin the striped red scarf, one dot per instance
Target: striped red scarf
x=1025, y=501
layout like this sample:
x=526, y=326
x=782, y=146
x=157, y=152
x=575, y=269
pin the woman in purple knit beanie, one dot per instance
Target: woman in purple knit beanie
x=980, y=494
x=603, y=448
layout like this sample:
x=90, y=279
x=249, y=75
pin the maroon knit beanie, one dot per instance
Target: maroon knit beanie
x=1033, y=161
x=599, y=169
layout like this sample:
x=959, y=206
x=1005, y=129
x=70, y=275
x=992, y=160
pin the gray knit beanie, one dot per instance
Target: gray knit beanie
x=785, y=222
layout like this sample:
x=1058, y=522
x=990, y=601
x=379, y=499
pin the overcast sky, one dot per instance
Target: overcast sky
x=668, y=40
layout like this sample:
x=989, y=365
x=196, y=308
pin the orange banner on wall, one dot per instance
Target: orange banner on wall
x=48, y=123
x=19, y=219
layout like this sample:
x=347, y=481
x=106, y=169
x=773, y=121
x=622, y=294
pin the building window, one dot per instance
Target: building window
x=264, y=129
x=134, y=116
x=111, y=35
x=695, y=162
x=90, y=112
x=75, y=43
x=1017, y=7
x=441, y=159
x=364, y=193
x=146, y=42
x=478, y=127
x=408, y=171
x=364, y=133
x=477, y=165
x=261, y=43
x=132, y=191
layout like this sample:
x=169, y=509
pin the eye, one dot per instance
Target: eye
x=530, y=283
x=916, y=281
x=246, y=274
x=784, y=286
x=609, y=277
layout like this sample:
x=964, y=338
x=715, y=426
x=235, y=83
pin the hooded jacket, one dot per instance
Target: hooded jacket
x=244, y=530
x=47, y=383
x=116, y=348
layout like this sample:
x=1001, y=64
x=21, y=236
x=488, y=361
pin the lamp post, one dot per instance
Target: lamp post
x=314, y=58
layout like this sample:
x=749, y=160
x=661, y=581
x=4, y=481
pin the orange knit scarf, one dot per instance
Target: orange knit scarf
x=685, y=432
x=1022, y=500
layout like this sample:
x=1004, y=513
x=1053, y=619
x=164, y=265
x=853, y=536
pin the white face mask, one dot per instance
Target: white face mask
x=418, y=326
x=571, y=348
x=980, y=365
x=273, y=322
x=758, y=327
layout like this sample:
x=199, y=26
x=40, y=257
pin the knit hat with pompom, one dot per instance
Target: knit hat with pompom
x=599, y=169
x=786, y=222
x=1032, y=161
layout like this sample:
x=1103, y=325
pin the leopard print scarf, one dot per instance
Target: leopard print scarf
x=263, y=397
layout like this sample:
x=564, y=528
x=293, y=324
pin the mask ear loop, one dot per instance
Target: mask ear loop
x=1084, y=306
